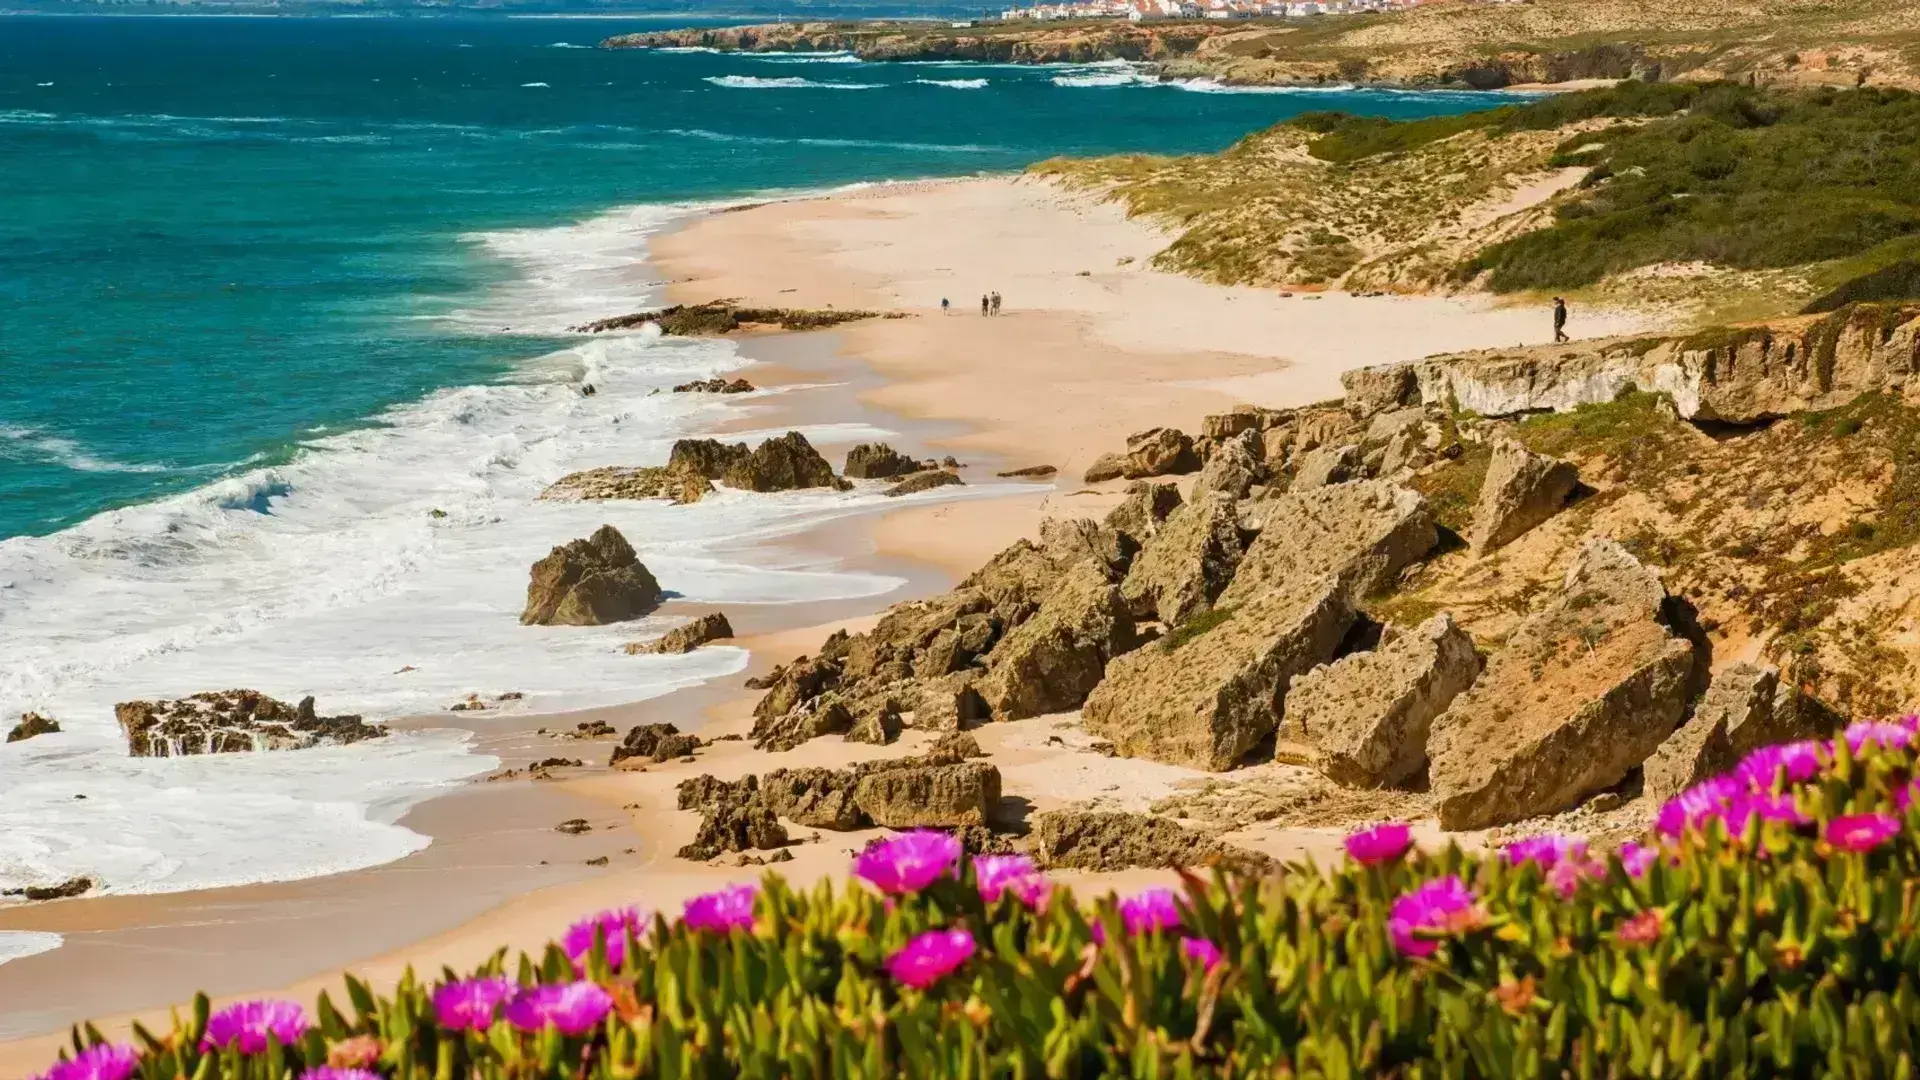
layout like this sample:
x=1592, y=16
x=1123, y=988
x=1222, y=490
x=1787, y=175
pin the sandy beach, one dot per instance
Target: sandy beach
x=1093, y=344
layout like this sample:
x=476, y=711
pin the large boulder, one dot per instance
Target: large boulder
x=913, y=795
x=1015, y=581
x=1180, y=571
x=949, y=703
x=1522, y=490
x=1213, y=688
x=713, y=626
x=878, y=461
x=926, y=480
x=805, y=721
x=877, y=725
x=1105, y=841
x=654, y=742
x=735, y=825
x=1159, y=452
x=1327, y=465
x=590, y=582
x=1146, y=507
x=1052, y=661
x=710, y=458
x=1106, y=467
x=1584, y=691
x=680, y=483
x=1745, y=708
x=787, y=463
x=804, y=679
x=1233, y=467
x=1069, y=541
x=814, y=798
x=1365, y=717
x=232, y=721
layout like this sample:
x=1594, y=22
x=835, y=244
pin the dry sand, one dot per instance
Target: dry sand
x=1093, y=344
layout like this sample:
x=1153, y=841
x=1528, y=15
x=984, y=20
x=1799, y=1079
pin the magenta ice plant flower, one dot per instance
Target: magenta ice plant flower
x=1440, y=907
x=1200, y=951
x=930, y=957
x=909, y=862
x=1698, y=804
x=1547, y=851
x=471, y=1004
x=1761, y=769
x=1880, y=733
x=1150, y=910
x=573, y=1008
x=1862, y=832
x=101, y=1061
x=614, y=923
x=247, y=1024
x=997, y=874
x=1635, y=858
x=330, y=1072
x=728, y=909
x=1747, y=807
x=1380, y=844
x=1569, y=872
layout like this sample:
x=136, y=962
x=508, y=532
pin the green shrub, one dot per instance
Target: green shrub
x=1766, y=927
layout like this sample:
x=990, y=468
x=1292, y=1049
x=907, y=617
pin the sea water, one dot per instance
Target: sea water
x=285, y=359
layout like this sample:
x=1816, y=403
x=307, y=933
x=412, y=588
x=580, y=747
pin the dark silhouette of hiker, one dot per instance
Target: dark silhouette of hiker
x=996, y=303
x=984, y=304
x=1559, y=320
x=943, y=305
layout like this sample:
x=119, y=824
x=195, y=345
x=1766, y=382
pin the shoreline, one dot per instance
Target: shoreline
x=1085, y=354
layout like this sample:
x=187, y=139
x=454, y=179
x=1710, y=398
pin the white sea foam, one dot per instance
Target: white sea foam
x=1105, y=73
x=531, y=85
x=805, y=58
x=20, y=944
x=955, y=84
x=754, y=82
x=32, y=442
x=331, y=573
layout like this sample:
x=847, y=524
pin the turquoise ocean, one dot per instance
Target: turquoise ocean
x=272, y=291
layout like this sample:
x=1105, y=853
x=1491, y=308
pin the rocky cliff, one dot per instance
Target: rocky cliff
x=1076, y=43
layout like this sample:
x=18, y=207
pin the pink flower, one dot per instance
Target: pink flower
x=248, y=1024
x=574, y=1008
x=578, y=940
x=1862, y=832
x=1380, y=844
x=1761, y=769
x=101, y=1061
x=1545, y=850
x=1635, y=858
x=1640, y=929
x=931, y=957
x=470, y=1004
x=1442, y=906
x=329, y=1072
x=908, y=863
x=728, y=909
x=1698, y=804
x=1764, y=808
x=1877, y=732
x=1202, y=952
x=1568, y=873
x=1150, y=910
x=996, y=874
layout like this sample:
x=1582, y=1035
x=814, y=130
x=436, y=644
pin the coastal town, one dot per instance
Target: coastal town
x=1149, y=10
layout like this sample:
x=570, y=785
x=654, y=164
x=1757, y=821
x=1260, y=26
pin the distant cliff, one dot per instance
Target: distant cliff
x=1077, y=43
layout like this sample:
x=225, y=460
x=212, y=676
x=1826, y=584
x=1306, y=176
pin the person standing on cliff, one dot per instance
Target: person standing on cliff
x=1559, y=320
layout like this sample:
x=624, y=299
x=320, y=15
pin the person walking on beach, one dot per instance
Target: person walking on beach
x=996, y=303
x=943, y=305
x=1559, y=320
x=984, y=302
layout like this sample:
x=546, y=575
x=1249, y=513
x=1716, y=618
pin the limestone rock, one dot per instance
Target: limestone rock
x=1522, y=490
x=1366, y=716
x=878, y=461
x=1028, y=472
x=922, y=481
x=710, y=458
x=793, y=683
x=1745, y=708
x=680, y=483
x=878, y=726
x=1182, y=569
x=1232, y=469
x=735, y=826
x=1015, y=581
x=1106, y=841
x=787, y=463
x=1585, y=690
x=715, y=385
x=590, y=582
x=1146, y=508
x=1069, y=541
x=1106, y=467
x=950, y=703
x=1380, y=389
x=712, y=626
x=952, y=749
x=912, y=796
x=232, y=721
x=1050, y=662
x=32, y=724
x=654, y=742
x=814, y=798
x=1327, y=465
x=805, y=721
x=1159, y=452
x=1213, y=689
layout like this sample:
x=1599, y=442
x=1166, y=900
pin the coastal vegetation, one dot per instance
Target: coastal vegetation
x=1761, y=926
x=1703, y=194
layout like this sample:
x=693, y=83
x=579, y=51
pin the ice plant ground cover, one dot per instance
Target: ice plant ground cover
x=1769, y=925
